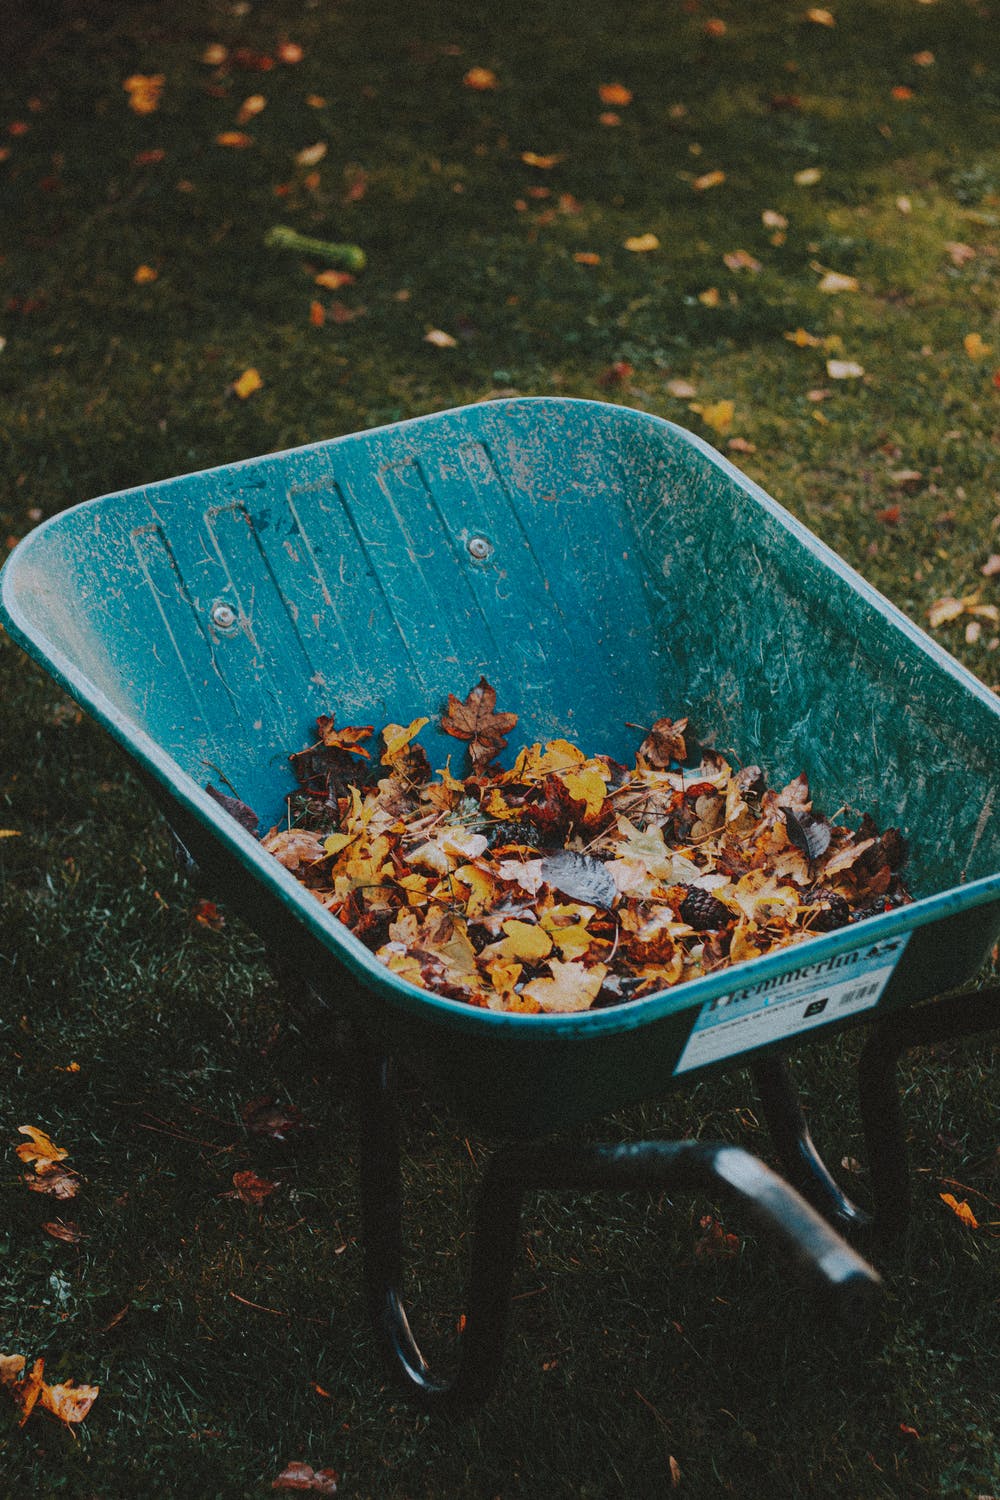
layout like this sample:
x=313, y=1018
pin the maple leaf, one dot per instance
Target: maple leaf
x=664, y=744
x=477, y=722
x=40, y=1148
x=299, y=1476
x=571, y=986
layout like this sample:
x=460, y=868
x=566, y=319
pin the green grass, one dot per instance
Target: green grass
x=626, y=1348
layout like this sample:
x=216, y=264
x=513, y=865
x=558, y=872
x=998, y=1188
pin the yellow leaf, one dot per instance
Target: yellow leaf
x=532, y=159
x=614, y=93
x=503, y=974
x=708, y=180
x=10, y=833
x=334, y=280
x=481, y=80
x=820, y=17
x=215, y=54
x=718, y=414
x=68, y=1401
x=574, y=941
x=960, y=1210
x=587, y=786
x=480, y=886
x=710, y=297
x=250, y=107
x=808, y=177
x=248, y=382
x=144, y=90
x=803, y=340
x=39, y=1148
x=334, y=842
x=974, y=346
x=234, y=138
x=572, y=987
x=526, y=940
x=641, y=244
x=311, y=156
x=397, y=737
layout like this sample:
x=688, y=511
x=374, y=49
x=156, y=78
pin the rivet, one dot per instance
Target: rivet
x=223, y=615
x=479, y=547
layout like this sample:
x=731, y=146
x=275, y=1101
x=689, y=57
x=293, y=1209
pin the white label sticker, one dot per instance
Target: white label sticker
x=789, y=1003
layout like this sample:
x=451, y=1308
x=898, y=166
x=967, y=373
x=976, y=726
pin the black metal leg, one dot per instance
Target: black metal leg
x=834, y=1269
x=896, y=1032
x=797, y=1153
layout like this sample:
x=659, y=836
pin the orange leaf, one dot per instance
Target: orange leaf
x=961, y=1210
x=334, y=280
x=250, y=107
x=252, y=1189
x=311, y=156
x=142, y=275
x=289, y=52
x=317, y=314
x=39, y=1148
x=235, y=138
x=641, y=244
x=614, y=93
x=708, y=180
x=587, y=258
x=481, y=80
x=532, y=159
x=69, y=1402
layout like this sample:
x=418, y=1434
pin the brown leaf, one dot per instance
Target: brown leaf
x=64, y=1230
x=347, y=739
x=250, y=1188
x=54, y=1181
x=714, y=1243
x=664, y=743
x=300, y=1476
x=477, y=722
x=265, y=1117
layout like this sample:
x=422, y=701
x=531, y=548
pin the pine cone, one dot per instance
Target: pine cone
x=830, y=911
x=702, y=911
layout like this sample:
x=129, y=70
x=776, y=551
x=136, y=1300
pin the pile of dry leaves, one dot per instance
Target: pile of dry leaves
x=569, y=881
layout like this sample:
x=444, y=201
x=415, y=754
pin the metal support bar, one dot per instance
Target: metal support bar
x=832, y=1267
x=881, y=1114
x=800, y=1161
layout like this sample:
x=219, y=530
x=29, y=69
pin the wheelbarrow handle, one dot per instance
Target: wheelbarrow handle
x=846, y=1281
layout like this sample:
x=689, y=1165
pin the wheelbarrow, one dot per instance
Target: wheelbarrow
x=600, y=567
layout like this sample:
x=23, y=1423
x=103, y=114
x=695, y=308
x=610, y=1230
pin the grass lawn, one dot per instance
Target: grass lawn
x=819, y=195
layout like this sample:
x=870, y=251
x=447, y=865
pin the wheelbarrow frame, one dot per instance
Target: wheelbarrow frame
x=611, y=531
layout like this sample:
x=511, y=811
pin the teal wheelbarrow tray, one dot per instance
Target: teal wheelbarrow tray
x=600, y=567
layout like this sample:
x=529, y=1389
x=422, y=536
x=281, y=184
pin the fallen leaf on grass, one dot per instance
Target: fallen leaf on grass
x=250, y=107
x=949, y=608
x=300, y=1476
x=641, y=244
x=974, y=346
x=714, y=1243
x=39, y=1148
x=440, y=339
x=63, y=1229
x=144, y=91
x=844, y=369
x=681, y=389
x=544, y=163
x=334, y=280
x=989, y=569
x=833, y=282
x=961, y=1210
x=587, y=258
x=820, y=17
x=803, y=339
x=708, y=180
x=67, y=1401
x=808, y=177
x=250, y=1188
x=959, y=254
x=717, y=414
x=289, y=53
x=614, y=93
x=237, y=139
x=311, y=156
x=247, y=383
x=481, y=80
x=710, y=297
x=742, y=260
x=215, y=54
x=142, y=275
x=207, y=914
x=10, y=833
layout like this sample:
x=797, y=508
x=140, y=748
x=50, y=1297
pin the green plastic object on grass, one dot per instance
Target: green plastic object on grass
x=347, y=257
x=600, y=567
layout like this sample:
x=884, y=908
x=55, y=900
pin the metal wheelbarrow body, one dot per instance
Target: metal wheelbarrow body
x=600, y=567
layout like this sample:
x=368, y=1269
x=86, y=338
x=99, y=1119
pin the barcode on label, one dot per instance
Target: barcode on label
x=860, y=992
